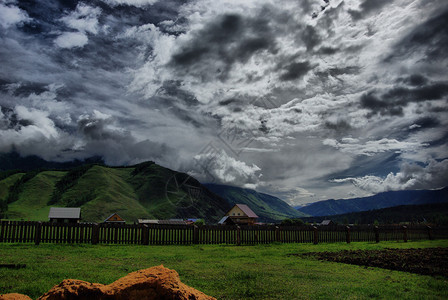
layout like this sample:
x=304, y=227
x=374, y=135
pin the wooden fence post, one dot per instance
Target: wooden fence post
x=347, y=234
x=38, y=233
x=405, y=234
x=145, y=235
x=2, y=230
x=377, y=234
x=195, y=234
x=277, y=234
x=238, y=235
x=316, y=235
x=95, y=233
x=429, y=232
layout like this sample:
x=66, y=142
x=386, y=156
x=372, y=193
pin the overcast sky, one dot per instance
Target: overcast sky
x=306, y=100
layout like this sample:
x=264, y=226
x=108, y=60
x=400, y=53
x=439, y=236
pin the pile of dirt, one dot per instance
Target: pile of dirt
x=14, y=296
x=427, y=261
x=153, y=283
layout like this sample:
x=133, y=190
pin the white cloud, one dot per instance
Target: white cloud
x=226, y=169
x=37, y=134
x=71, y=40
x=11, y=15
x=84, y=18
x=370, y=148
x=411, y=176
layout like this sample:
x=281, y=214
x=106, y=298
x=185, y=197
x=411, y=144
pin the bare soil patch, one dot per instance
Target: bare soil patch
x=155, y=283
x=427, y=261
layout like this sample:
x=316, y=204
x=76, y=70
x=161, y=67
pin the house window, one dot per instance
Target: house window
x=233, y=214
x=238, y=214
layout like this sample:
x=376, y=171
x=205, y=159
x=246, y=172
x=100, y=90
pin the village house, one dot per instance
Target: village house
x=327, y=223
x=239, y=214
x=115, y=219
x=163, y=222
x=65, y=214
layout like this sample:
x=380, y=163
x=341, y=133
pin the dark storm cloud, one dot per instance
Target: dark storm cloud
x=310, y=37
x=10, y=120
x=230, y=39
x=336, y=72
x=45, y=15
x=328, y=50
x=427, y=122
x=430, y=37
x=368, y=7
x=392, y=101
x=414, y=80
x=116, y=145
x=296, y=70
x=173, y=89
x=340, y=126
x=95, y=128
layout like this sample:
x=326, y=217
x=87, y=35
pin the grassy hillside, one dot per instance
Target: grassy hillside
x=102, y=191
x=32, y=200
x=267, y=207
x=6, y=183
x=146, y=190
x=165, y=193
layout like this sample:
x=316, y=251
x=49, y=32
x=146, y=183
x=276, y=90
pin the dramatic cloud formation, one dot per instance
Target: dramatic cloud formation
x=11, y=15
x=306, y=100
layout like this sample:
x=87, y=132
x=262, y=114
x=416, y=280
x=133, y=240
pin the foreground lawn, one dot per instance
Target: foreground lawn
x=225, y=272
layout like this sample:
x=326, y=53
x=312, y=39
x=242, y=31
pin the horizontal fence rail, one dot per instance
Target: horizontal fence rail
x=152, y=234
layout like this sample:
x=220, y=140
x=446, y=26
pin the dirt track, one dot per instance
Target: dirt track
x=428, y=261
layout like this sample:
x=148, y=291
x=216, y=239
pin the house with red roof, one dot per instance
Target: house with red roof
x=241, y=214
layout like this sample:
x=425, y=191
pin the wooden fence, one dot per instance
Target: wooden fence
x=45, y=232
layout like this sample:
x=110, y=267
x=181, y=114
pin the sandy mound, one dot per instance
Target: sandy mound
x=14, y=296
x=153, y=283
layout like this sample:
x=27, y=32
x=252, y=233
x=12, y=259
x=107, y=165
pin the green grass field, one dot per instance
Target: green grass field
x=225, y=272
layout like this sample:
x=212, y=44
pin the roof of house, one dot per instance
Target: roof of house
x=227, y=220
x=120, y=219
x=64, y=213
x=222, y=221
x=148, y=221
x=163, y=222
x=172, y=222
x=249, y=212
x=326, y=222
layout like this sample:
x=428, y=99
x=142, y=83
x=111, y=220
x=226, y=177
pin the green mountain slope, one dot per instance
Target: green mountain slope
x=166, y=193
x=146, y=190
x=8, y=180
x=102, y=191
x=6, y=183
x=267, y=207
x=32, y=200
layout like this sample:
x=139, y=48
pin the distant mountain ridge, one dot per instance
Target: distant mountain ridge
x=14, y=161
x=433, y=213
x=267, y=207
x=381, y=200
